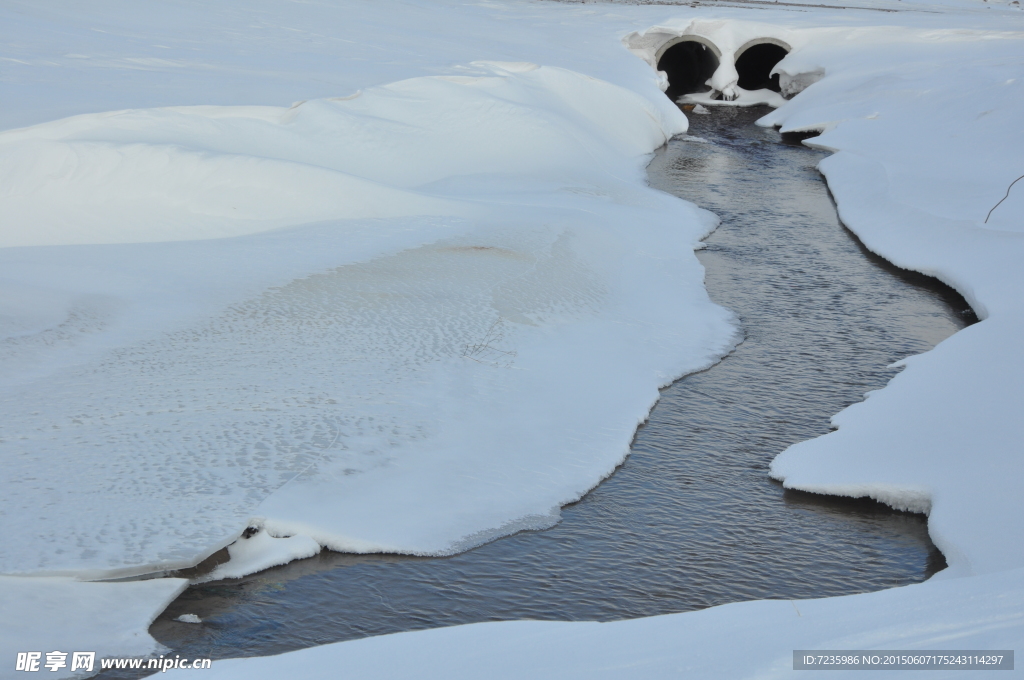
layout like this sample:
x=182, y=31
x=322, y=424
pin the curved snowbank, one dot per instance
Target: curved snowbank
x=212, y=172
x=925, y=130
x=47, y=614
x=944, y=436
x=485, y=359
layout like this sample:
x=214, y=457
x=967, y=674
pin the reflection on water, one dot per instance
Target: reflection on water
x=691, y=519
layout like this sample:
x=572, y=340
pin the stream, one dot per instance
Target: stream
x=691, y=519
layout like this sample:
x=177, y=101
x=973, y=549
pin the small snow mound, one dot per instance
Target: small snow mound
x=734, y=97
x=258, y=550
x=700, y=109
x=189, y=618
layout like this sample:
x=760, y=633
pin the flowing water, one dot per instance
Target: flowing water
x=691, y=519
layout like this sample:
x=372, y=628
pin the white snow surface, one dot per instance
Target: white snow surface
x=431, y=388
x=260, y=551
x=945, y=435
x=410, y=320
x=429, y=302
x=62, y=614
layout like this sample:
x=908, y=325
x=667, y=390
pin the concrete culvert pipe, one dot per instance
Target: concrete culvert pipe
x=755, y=61
x=689, y=63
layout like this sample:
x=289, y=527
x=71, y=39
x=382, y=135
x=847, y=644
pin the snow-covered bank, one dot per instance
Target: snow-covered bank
x=743, y=640
x=411, y=320
x=47, y=614
x=945, y=436
x=447, y=301
x=925, y=126
x=407, y=382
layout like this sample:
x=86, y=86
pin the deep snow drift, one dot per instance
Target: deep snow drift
x=425, y=315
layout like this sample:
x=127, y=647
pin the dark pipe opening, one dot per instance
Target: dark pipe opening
x=689, y=65
x=797, y=138
x=755, y=66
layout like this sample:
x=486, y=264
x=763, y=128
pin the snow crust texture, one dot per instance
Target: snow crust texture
x=412, y=320
x=388, y=404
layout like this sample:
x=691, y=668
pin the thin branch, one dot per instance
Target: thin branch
x=485, y=351
x=1003, y=198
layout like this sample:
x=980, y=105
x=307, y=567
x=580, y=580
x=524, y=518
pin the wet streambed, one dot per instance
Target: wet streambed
x=691, y=519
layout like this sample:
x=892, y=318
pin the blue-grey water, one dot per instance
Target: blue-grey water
x=691, y=519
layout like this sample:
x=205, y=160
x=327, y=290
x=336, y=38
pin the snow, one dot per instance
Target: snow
x=62, y=614
x=743, y=640
x=307, y=402
x=411, y=320
x=428, y=302
x=742, y=98
x=203, y=172
x=257, y=552
x=944, y=436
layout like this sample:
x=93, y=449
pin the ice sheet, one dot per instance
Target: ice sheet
x=354, y=301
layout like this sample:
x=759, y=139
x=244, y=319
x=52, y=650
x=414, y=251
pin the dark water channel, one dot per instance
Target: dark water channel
x=691, y=519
